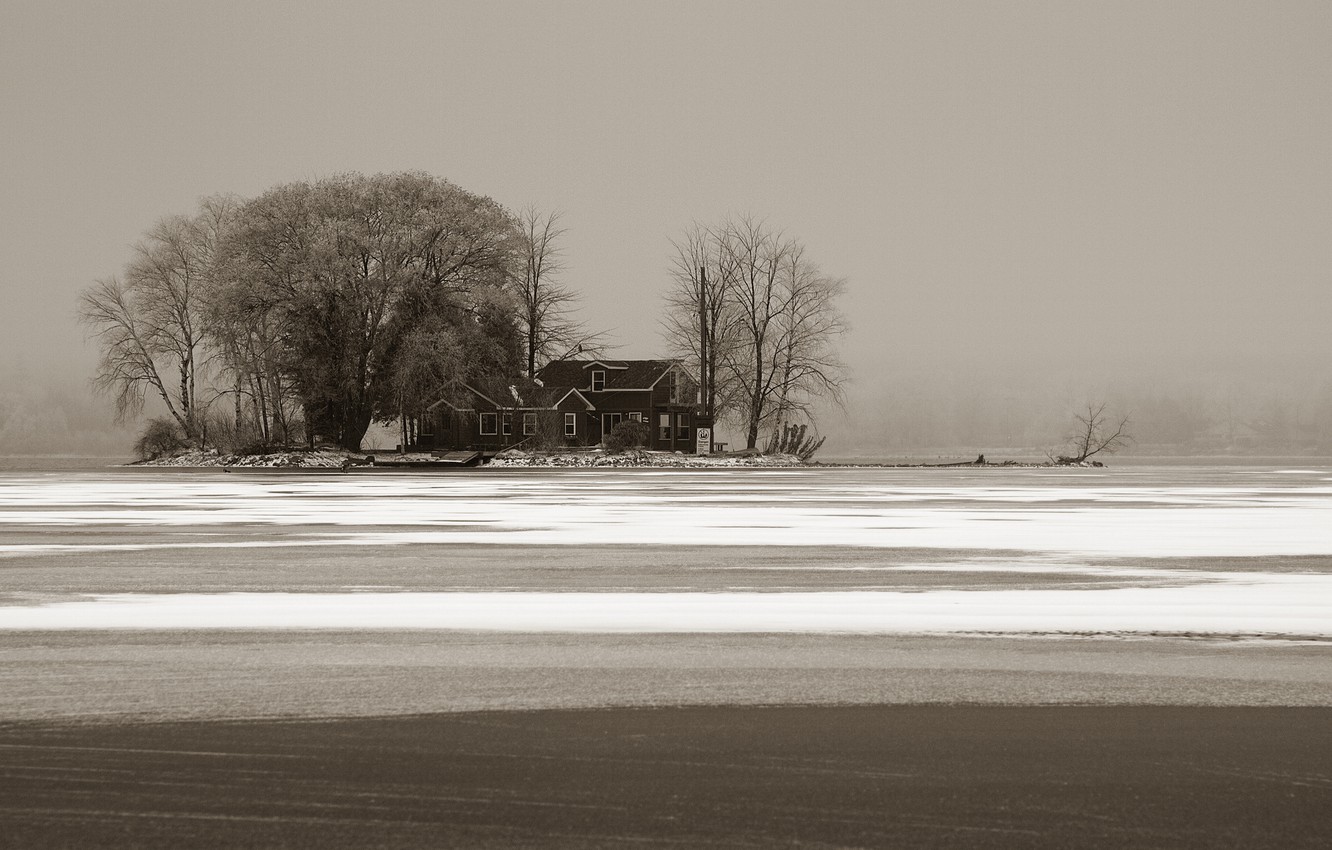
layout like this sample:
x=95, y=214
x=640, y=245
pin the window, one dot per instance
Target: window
x=598, y=380
x=635, y=417
x=682, y=426
x=506, y=423
x=488, y=421
x=665, y=423
x=673, y=384
x=609, y=421
x=426, y=428
x=571, y=424
x=529, y=424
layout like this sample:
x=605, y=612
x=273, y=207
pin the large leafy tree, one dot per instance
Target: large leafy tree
x=371, y=286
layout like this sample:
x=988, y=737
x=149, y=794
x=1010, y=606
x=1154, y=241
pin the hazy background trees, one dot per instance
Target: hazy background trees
x=758, y=319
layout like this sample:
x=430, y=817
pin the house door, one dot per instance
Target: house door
x=608, y=423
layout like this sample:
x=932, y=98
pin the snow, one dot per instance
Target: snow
x=1029, y=511
x=1288, y=605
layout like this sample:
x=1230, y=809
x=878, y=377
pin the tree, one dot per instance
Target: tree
x=348, y=270
x=1093, y=434
x=806, y=365
x=546, y=306
x=699, y=311
x=758, y=320
x=151, y=325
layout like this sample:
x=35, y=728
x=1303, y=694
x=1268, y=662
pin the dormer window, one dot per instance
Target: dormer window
x=598, y=380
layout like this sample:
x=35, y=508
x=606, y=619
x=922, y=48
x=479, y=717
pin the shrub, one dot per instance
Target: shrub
x=229, y=438
x=627, y=435
x=792, y=440
x=549, y=434
x=159, y=437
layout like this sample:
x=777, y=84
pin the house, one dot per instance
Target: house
x=572, y=403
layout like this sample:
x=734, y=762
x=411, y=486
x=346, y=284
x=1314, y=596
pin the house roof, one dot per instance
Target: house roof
x=521, y=394
x=620, y=374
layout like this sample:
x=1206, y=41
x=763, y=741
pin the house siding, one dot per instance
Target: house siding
x=635, y=388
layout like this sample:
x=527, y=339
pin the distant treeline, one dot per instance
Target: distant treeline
x=1250, y=414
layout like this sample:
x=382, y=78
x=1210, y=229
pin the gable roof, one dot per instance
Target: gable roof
x=620, y=374
x=522, y=394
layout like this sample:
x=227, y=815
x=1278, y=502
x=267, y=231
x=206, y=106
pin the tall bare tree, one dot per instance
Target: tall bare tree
x=133, y=355
x=753, y=255
x=151, y=324
x=759, y=320
x=806, y=364
x=546, y=319
x=698, y=322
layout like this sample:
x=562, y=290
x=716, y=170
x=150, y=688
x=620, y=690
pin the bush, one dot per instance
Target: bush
x=792, y=440
x=159, y=438
x=228, y=438
x=627, y=435
x=549, y=434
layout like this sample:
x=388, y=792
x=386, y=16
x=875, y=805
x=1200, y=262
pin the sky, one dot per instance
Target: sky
x=1086, y=190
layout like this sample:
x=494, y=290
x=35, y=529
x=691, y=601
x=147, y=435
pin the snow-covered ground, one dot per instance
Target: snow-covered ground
x=1190, y=551
x=1251, y=604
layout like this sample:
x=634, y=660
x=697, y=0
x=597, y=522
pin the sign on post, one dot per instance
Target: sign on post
x=703, y=441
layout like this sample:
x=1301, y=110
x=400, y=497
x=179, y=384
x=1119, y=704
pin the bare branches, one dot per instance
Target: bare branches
x=1095, y=433
x=128, y=367
x=699, y=319
x=758, y=319
x=546, y=309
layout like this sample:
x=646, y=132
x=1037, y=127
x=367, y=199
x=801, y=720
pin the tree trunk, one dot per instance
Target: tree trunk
x=354, y=426
x=756, y=399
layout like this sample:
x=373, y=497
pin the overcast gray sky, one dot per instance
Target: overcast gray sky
x=1147, y=185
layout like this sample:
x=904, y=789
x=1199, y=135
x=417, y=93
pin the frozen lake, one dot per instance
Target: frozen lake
x=1241, y=551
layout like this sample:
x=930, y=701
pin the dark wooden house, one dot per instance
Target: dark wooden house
x=572, y=403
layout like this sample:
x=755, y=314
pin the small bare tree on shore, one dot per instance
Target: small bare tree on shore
x=1095, y=433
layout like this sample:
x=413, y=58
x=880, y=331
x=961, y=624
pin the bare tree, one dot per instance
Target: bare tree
x=546, y=311
x=806, y=365
x=758, y=321
x=131, y=350
x=1094, y=433
x=699, y=321
x=151, y=324
x=753, y=255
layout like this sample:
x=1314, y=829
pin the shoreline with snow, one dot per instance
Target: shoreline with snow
x=329, y=459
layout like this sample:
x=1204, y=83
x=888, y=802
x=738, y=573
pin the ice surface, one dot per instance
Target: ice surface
x=1129, y=515
x=1037, y=522
x=1292, y=605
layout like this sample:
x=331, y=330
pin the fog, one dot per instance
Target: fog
x=1034, y=204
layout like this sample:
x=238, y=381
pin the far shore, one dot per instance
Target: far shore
x=342, y=460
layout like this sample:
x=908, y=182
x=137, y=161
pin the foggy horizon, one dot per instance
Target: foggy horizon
x=1034, y=205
